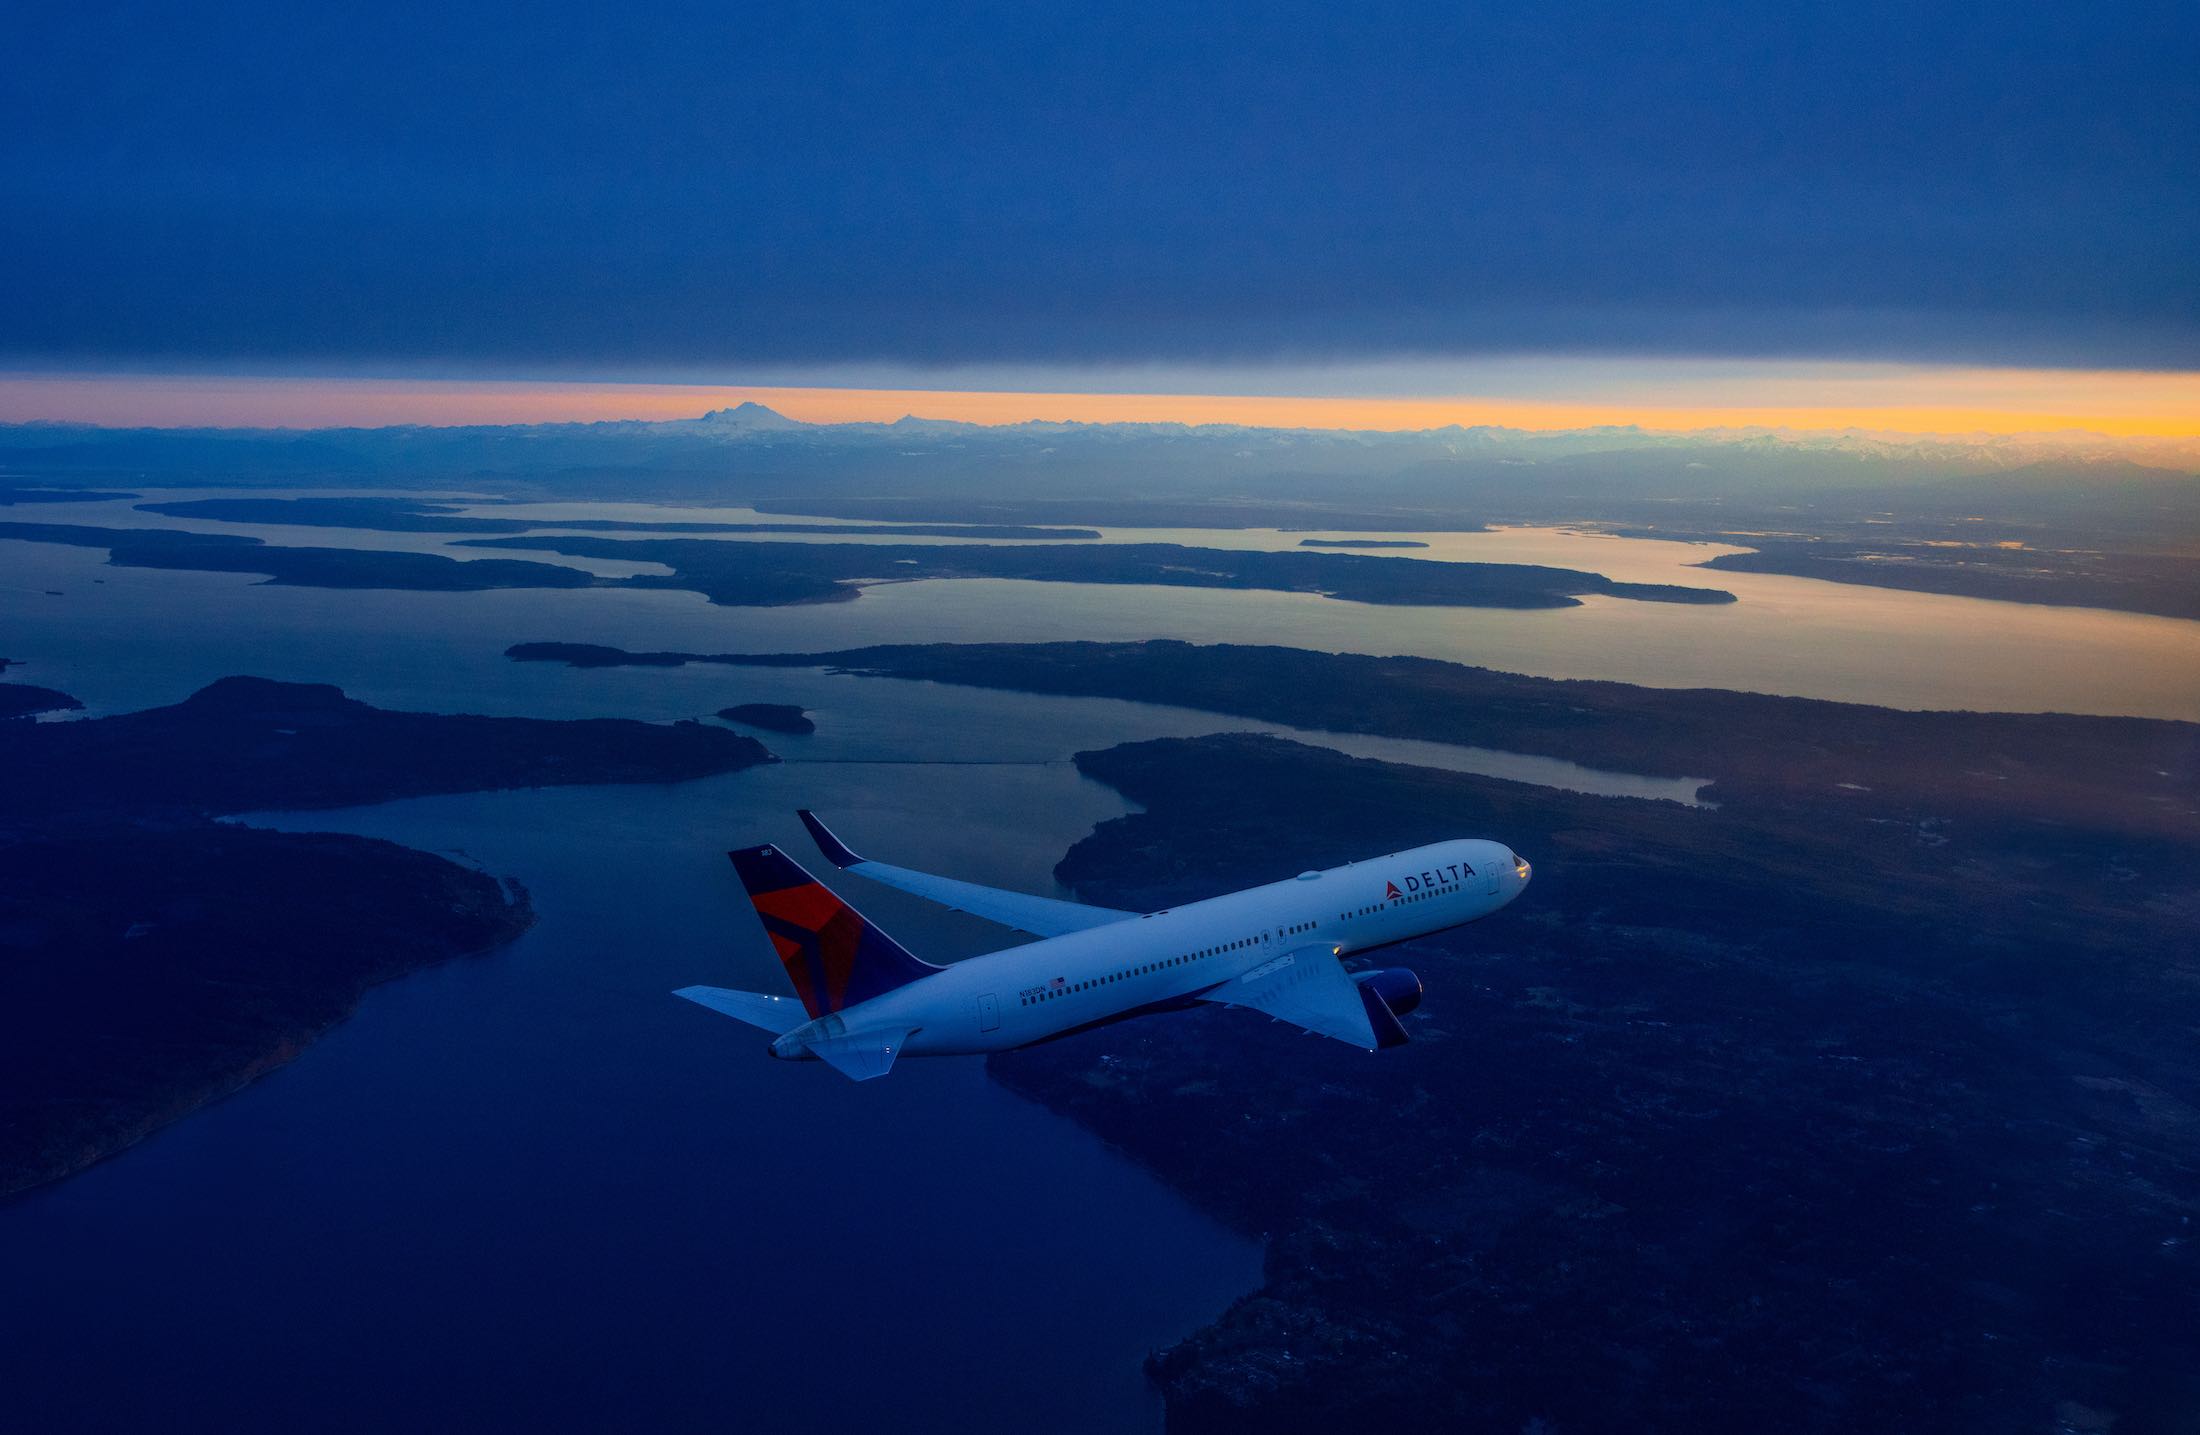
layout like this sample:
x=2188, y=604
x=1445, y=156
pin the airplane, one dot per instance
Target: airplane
x=863, y=1000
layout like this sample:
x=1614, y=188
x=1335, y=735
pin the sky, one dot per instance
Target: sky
x=1476, y=203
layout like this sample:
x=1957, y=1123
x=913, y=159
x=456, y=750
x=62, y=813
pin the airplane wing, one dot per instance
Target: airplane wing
x=1040, y=916
x=1310, y=988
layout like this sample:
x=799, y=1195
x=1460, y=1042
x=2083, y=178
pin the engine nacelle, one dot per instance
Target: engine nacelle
x=1399, y=988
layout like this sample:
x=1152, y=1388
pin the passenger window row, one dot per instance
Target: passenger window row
x=1444, y=891
x=1033, y=998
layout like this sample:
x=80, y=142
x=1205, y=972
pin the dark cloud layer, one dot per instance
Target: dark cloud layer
x=578, y=184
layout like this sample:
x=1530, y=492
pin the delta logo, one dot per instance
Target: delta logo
x=1427, y=881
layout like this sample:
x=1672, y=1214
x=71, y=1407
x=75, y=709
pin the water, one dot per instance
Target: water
x=1795, y=636
x=534, y=1188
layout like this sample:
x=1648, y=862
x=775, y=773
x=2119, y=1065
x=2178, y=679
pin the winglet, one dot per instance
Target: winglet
x=836, y=851
x=1040, y=916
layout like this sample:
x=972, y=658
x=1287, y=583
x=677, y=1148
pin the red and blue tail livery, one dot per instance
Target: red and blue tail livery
x=834, y=956
x=1280, y=950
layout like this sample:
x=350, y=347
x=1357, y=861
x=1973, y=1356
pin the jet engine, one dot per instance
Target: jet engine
x=1399, y=988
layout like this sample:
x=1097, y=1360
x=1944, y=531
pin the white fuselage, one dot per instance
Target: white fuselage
x=1029, y=993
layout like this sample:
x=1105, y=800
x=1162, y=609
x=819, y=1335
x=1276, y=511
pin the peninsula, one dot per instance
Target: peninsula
x=1885, y=1099
x=1758, y=748
x=23, y=700
x=153, y=959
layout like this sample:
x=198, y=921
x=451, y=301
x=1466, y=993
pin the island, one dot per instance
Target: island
x=760, y=573
x=408, y=515
x=1361, y=543
x=749, y=573
x=301, y=567
x=771, y=717
x=1130, y=512
x=2010, y=570
x=153, y=959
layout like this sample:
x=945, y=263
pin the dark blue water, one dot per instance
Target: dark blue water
x=534, y=1189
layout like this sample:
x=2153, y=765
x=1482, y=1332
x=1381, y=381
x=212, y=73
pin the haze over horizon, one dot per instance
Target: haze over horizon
x=2148, y=413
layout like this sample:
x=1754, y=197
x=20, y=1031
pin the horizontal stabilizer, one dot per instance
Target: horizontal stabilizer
x=861, y=1056
x=1040, y=916
x=777, y=1015
x=1307, y=988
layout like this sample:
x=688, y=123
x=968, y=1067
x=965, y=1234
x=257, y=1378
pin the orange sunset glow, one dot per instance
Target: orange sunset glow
x=1876, y=398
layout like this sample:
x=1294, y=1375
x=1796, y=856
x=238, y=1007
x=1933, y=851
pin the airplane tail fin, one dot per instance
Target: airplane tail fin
x=835, y=957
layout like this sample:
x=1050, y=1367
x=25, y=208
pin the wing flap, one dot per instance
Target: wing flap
x=1308, y=988
x=1040, y=916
